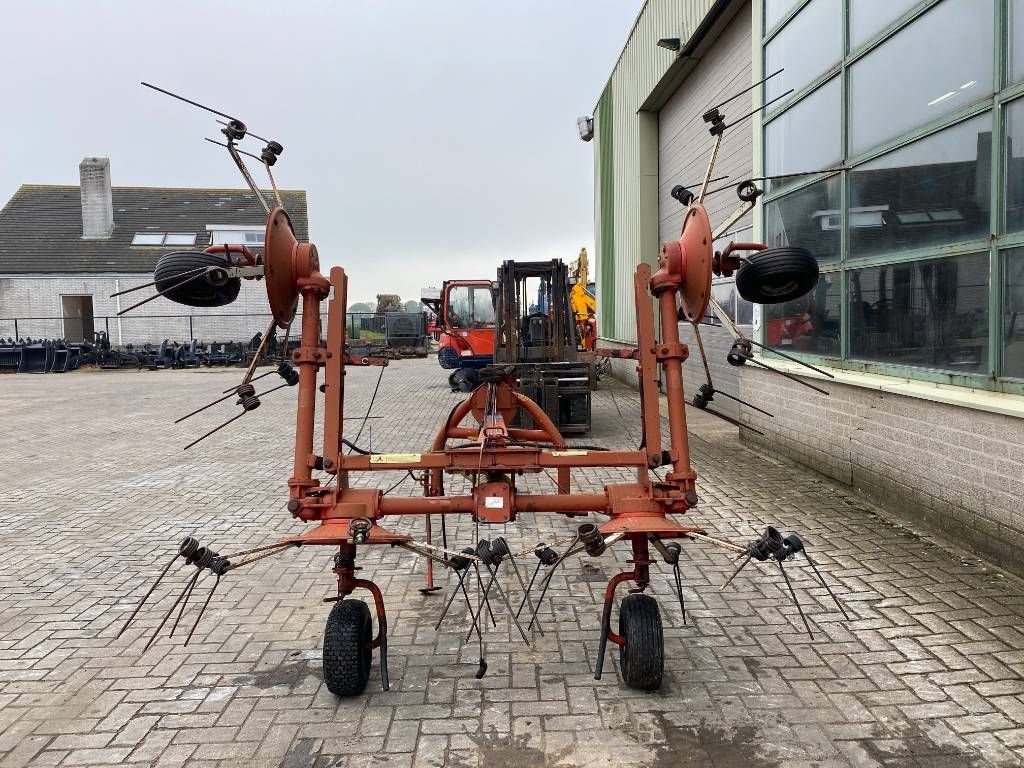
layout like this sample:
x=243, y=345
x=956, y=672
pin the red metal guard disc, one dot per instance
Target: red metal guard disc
x=278, y=267
x=696, y=244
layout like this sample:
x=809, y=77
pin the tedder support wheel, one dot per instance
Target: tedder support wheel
x=777, y=275
x=347, y=652
x=206, y=290
x=642, y=657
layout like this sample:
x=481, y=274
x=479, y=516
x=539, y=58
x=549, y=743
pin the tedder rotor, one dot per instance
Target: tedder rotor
x=493, y=455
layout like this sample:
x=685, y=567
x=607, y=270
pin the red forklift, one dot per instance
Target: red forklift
x=523, y=321
x=464, y=328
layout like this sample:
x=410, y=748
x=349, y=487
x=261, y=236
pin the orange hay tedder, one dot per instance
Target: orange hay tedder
x=488, y=451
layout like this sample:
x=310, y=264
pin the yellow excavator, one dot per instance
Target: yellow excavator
x=583, y=301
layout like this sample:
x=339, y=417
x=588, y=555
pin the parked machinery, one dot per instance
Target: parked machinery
x=464, y=311
x=584, y=301
x=491, y=455
x=537, y=336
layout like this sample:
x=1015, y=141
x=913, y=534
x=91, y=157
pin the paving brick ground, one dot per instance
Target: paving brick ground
x=95, y=491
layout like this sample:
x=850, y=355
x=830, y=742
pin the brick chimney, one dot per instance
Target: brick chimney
x=97, y=204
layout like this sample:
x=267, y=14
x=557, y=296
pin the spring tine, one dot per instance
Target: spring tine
x=733, y=421
x=202, y=610
x=735, y=573
x=526, y=593
x=272, y=389
x=790, y=357
x=793, y=593
x=568, y=551
x=826, y=586
x=469, y=604
x=156, y=632
x=184, y=603
x=215, y=429
x=448, y=605
x=254, y=378
x=504, y=597
x=208, y=405
x=480, y=606
x=789, y=376
x=528, y=588
x=145, y=597
x=154, y=282
x=744, y=402
x=679, y=589
x=158, y=294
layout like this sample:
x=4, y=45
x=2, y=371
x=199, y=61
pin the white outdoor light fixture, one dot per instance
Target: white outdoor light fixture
x=585, y=126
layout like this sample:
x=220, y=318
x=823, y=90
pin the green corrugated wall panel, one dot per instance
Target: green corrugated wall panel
x=627, y=227
x=606, y=293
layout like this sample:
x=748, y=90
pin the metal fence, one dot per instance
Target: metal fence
x=368, y=327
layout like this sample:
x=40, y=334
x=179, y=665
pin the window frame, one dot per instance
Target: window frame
x=1004, y=92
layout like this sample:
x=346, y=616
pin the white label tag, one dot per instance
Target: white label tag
x=494, y=502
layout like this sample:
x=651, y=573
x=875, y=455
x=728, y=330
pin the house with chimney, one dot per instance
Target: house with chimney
x=64, y=250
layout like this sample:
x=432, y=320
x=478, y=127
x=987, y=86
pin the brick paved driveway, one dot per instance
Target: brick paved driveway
x=95, y=491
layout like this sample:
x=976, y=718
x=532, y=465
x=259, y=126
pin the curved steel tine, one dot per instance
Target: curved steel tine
x=793, y=593
x=790, y=357
x=526, y=592
x=826, y=586
x=451, y=599
x=154, y=282
x=202, y=610
x=156, y=632
x=480, y=606
x=789, y=376
x=679, y=589
x=158, y=294
x=184, y=603
x=208, y=405
x=736, y=573
x=215, y=429
x=504, y=597
x=145, y=597
x=528, y=588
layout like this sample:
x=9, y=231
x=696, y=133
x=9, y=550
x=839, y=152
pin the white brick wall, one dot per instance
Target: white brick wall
x=39, y=296
x=959, y=470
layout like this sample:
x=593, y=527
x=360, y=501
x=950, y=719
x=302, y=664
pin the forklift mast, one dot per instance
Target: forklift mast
x=535, y=318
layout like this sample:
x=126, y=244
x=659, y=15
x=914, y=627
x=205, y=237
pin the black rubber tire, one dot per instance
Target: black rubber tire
x=642, y=658
x=347, y=652
x=172, y=268
x=777, y=275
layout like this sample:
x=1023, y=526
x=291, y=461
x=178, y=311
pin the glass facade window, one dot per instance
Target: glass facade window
x=1013, y=313
x=806, y=47
x=930, y=314
x=868, y=17
x=934, y=191
x=1013, y=175
x=809, y=324
x=1015, y=31
x=920, y=236
x=809, y=218
x=928, y=69
x=774, y=11
x=806, y=137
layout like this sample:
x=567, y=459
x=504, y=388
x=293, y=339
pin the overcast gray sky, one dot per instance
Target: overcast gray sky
x=435, y=139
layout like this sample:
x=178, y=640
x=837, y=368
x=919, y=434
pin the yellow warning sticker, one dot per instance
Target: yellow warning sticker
x=569, y=453
x=394, y=458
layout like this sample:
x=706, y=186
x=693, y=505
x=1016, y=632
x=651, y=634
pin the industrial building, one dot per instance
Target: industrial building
x=64, y=250
x=900, y=170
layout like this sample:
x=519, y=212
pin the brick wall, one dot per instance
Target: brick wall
x=958, y=470
x=40, y=296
